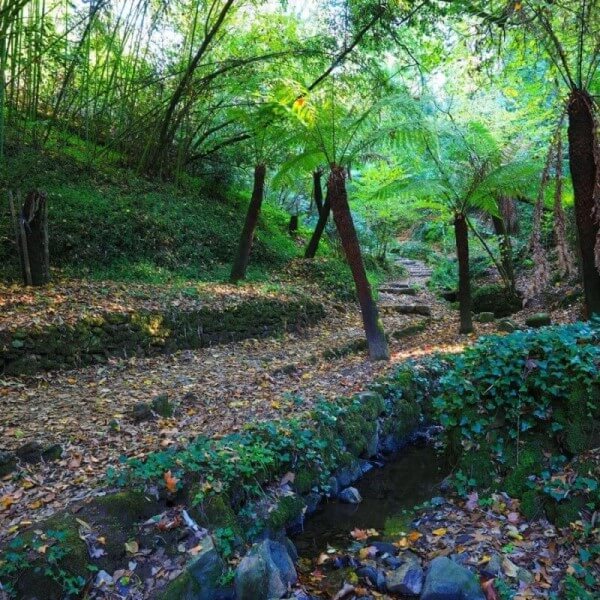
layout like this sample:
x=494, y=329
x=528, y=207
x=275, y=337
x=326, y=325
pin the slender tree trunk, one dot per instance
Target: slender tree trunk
x=318, y=190
x=506, y=253
x=461, y=233
x=510, y=214
x=293, y=224
x=240, y=263
x=336, y=192
x=313, y=244
x=583, y=174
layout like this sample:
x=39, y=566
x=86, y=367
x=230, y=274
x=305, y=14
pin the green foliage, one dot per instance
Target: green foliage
x=151, y=233
x=46, y=554
x=501, y=396
x=418, y=250
x=230, y=475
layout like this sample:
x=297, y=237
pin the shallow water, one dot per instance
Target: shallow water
x=387, y=493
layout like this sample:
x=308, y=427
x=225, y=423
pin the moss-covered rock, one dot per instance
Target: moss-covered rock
x=162, y=406
x=563, y=513
x=305, y=479
x=538, y=320
x=130, y=506
x=356, y=432
x=520, y=466
x=477, y=465
x=47, y=578
x=495, y=299
x=287, y=510
x=485, y=317
x=216, y=512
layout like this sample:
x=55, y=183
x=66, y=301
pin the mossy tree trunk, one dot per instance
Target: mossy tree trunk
x=583, y=174
x=461, y=232
x=240, y=264
x=336, y=193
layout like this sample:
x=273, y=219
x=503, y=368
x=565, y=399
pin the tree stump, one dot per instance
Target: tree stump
x=30, y=222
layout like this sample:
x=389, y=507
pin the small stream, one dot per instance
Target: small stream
x=388, y=494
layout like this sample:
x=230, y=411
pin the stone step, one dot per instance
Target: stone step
x=399, y=291
x=408, y=309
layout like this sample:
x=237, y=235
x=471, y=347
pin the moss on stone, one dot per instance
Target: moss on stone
x=478, y=465
x=497, y=299
x=129, y=507
x=371, y=405
x=305, y=479
x=356, y=432
x=34, y=582
x=526, y=463
x=151, y=333
x=185, y=587
x=288, y=509
x=216, y=512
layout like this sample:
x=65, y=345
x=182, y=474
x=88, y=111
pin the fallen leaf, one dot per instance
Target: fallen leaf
x=170, y=482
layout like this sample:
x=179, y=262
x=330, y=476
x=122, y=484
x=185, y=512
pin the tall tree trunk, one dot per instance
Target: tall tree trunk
x=318, y=190
x=336, y=192
x=506, y=253
x=240, y=264
x=461, y=233
x=313, y=244
x=583, y=174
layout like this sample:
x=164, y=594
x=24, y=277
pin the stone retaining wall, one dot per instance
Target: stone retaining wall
x=92, y=339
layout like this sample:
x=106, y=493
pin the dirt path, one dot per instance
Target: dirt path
x=214, y=391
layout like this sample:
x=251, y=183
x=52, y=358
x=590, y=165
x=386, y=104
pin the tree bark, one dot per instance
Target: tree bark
x=510, y=214
x=461, y=233
x=583, y=174
x=506, y=254
x=240, y=264
x=318, y=190
x=293, y=224
x=336, y=192
x=31, y=230
x=313, y=244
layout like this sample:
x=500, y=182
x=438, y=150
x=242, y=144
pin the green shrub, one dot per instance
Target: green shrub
x=504, y=396
x=417, y=250
x=148, y=231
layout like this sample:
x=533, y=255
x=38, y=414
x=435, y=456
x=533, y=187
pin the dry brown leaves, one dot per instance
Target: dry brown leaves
x=215, y=390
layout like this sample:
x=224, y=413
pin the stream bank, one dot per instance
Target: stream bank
x=209, y=518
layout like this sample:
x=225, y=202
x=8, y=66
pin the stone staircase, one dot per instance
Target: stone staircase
x=405, y=296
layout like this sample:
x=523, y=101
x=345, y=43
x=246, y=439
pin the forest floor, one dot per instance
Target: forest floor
x=214, y=391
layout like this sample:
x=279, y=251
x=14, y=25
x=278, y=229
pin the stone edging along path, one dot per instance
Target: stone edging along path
x=189, y=509
x=91, y=339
